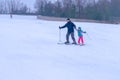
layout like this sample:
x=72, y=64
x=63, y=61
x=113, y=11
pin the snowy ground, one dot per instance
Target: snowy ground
x=29, y=51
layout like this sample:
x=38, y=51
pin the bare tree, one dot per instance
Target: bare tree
x=39, y=6
x=115, y=8
x=69, y=8
x=58, y=8
x=16, y=7
x=3, y=7
x=80, y=4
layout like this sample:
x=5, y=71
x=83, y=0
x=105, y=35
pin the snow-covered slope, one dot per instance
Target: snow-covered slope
x=29, y=51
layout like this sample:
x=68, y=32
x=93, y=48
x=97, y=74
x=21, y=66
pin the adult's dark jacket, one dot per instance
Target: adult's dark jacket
x=70, y=26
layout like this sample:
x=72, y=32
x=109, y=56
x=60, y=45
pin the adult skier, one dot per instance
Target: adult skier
x=70, y=26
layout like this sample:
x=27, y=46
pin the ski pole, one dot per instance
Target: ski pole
x=88, y=36
x=59, y=35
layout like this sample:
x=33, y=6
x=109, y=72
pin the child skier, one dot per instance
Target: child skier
x=80, y=35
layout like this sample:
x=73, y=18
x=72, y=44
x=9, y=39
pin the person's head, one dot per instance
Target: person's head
x=79, y=28
x=68, y=19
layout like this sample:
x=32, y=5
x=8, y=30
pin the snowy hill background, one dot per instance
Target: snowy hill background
x=29, y=51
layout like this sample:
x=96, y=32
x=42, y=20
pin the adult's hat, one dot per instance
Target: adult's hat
x=68, y=18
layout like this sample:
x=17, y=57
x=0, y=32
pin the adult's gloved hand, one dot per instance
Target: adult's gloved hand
x=59, y=27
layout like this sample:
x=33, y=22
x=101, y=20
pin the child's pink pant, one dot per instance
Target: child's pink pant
x=80, y=39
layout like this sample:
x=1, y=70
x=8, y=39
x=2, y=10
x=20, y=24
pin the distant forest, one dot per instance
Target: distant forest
x=81, y=9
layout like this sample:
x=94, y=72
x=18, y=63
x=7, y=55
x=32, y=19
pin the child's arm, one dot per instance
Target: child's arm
x=84, y=32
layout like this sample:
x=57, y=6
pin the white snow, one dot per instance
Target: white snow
x=29, y=51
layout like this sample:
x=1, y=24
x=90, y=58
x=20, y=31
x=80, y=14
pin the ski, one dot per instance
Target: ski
x=65, y=44
x=60, y=43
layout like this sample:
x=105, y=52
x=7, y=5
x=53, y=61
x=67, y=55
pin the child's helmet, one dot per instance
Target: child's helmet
x=79, y=27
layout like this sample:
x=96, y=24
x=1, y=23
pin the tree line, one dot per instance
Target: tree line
x=13, y=7
x=83, y=9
